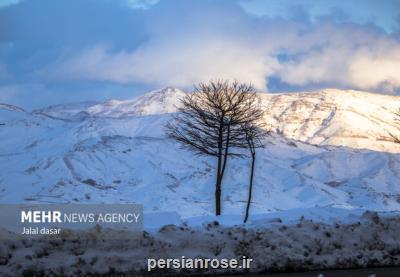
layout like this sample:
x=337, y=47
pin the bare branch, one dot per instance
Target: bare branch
x=217, y=118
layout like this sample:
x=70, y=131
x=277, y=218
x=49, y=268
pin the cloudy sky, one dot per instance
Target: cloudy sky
x=56, y=51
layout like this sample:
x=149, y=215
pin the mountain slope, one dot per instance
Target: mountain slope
x=335, y=117
x=329, y=117
x=156, y=102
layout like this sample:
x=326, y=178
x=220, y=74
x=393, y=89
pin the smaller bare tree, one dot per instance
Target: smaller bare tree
x=254, y=135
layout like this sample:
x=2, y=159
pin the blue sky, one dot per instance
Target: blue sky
x=56, y=51
x=384, y=14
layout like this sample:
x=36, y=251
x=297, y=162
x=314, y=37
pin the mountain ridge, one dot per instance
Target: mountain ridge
x=326, y=117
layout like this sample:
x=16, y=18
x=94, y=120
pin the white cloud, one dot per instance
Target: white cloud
x=199, y=42
x=182, y=63
x=370, y=69
x=354, y=57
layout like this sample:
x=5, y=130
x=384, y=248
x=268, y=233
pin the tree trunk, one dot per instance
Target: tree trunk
x=218, y=189
x=219, y=179
x=222, y=160
x=228, y=134
x=253, y=160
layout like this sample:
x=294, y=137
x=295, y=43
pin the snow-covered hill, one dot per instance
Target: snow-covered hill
x=155, y=102
x=329, y=117
x=336, y=117
x=328, y=149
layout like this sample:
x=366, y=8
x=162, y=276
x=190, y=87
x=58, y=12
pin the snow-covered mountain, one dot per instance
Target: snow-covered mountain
x=329, y=117
x=328, y=148
x=336, y=117
x=155, y=102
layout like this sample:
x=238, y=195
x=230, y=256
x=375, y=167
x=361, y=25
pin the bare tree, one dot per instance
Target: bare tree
x=254, y=136
x=209, y=123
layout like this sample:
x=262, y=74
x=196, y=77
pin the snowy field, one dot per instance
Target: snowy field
x=274, y=246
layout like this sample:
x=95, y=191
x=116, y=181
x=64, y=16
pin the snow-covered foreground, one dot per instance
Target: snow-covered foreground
x=273, y=246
